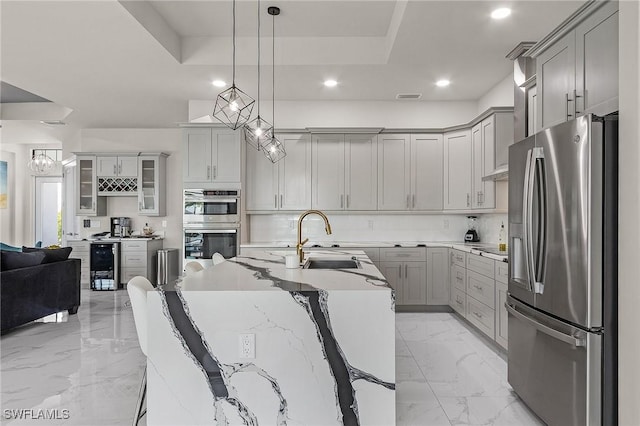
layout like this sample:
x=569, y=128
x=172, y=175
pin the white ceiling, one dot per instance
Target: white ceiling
x=137, y=63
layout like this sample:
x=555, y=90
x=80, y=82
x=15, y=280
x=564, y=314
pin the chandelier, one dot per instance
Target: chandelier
x=41, y=164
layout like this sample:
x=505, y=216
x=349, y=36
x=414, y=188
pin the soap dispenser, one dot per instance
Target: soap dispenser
x=502, y=242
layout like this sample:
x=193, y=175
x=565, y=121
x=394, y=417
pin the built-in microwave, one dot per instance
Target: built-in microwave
x=211, y=206
x=202, y=241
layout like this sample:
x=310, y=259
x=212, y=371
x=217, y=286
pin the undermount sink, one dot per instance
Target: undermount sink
x=316, y=263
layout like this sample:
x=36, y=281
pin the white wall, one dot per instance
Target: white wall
x=141, y=140
x=629, y=205
x=499, y=95
x=388, y=114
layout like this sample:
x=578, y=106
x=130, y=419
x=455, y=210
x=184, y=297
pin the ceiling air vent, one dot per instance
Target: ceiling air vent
x=408, y=95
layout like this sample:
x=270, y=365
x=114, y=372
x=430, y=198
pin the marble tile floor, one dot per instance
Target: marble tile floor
x=91, y=365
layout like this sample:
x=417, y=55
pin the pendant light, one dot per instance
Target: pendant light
x=233, y=106
x=273, y=149
x=258, y=131
x=41, y=164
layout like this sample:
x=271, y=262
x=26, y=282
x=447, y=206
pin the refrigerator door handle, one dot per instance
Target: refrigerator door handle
x=538, y=259
x=527, y=207
x=558, y=335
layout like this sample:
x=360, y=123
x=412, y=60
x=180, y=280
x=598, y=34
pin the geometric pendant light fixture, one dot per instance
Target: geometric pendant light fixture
x=273, y=148
x=258, y=131
x=233, y=106
x=41, y=164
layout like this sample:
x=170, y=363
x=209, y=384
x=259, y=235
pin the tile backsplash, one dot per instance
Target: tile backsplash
x=364, y=228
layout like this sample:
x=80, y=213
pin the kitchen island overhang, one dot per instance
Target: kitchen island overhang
x=324, y=345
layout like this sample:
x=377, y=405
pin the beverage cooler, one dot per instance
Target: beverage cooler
x=104, y=264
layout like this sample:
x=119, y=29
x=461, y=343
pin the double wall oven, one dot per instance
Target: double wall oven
x=211, y=224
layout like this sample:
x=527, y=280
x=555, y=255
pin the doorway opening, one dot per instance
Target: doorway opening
x=49, y=210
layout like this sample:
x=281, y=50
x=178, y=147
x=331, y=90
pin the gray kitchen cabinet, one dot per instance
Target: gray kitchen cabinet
x=410, y=172
x=501, y=316
x=406, y=271
x=483, y=194
x=578, y=73
x=152, y=184
x=285, y=185
x=394, y=170
x=457, y=170
x=138, y=257
x=88, y=202
x=117, y=166
x=438, y=276
x=211, y=155
x=80, y=250
x=344, y=172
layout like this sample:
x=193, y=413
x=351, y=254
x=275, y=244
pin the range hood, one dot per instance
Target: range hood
x=500, y=173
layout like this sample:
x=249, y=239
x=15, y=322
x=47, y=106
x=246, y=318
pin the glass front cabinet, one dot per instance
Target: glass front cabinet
x=151, y=184
x=88, y=202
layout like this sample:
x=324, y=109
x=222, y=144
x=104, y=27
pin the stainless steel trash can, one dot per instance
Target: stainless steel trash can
x=167, y=266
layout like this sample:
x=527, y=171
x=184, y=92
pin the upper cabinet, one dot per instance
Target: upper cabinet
x=344, y=172
x=152, y=184
x=211, y=155
x=483, y=145
x=457, y=170
x=116, y=166
x=285, y=185
x=410, y=171
x=578, y=73
x=89, y=204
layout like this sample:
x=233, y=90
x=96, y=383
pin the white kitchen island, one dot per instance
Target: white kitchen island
x=324, y=345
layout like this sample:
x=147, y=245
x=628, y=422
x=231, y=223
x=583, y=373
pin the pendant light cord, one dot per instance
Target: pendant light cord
x=234, y=44
x=258, y=58
x=273, y=74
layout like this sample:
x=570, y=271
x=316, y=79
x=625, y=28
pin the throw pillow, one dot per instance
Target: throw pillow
x=51, y=255
x=15, y=259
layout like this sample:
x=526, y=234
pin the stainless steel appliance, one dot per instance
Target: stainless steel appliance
x=203, y=206
x=120, y=226
x=563, y=271
x=201, y=242
x=104, y=261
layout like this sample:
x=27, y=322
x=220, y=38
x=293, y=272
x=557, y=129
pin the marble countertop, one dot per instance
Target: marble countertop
x=115, y=239
x=264, y=270
x=474, y=248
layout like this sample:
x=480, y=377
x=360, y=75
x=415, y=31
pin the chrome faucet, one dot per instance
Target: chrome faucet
x=327, y=227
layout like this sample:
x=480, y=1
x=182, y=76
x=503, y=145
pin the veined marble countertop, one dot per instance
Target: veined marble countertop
x=260, y=270
x=474, y=248
x=115, y=239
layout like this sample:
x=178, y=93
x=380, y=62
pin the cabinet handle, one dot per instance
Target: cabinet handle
x=477, y=287
x=406, y=270
x=114, y=169
x=215, y=172
x=407, y=201
x=450, y=258
x=479, y=197
x=120, y=168
x=400, y=271
x=413, y=202
x=341, y=201
x=479, y=316
x=567, y=100
x=458, y=301
x=468, y=199
x=275, y=201
x=347, y=200
x=208, y=172
x=281, y=200
x=459, y=275
x=575, y=103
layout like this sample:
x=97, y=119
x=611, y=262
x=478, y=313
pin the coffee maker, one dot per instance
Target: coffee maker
x=120, y=226
x=472, y=235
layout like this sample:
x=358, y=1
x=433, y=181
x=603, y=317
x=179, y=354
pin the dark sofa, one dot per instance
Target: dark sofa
x=34, y=292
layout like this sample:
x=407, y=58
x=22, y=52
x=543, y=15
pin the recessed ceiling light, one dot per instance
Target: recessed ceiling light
x=443, y=83
x=501, y=13
x=330, y=83
x=219, y=83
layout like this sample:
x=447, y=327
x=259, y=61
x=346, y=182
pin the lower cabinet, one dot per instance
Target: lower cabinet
x=406, y=271
x=479, y=292
x=139, y=258
x=437, y=276
x=80, y=250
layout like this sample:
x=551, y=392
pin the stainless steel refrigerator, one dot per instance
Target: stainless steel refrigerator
x=562, y=358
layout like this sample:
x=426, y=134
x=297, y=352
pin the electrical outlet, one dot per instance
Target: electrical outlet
x=95, y=224
x=164, y=223
x=86, y=223
x=445, y=224
x=247, y=345
x=370, y=224
x=292, y=224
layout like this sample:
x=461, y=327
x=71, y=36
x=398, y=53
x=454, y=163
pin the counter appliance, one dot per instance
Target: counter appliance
x=562, y=298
